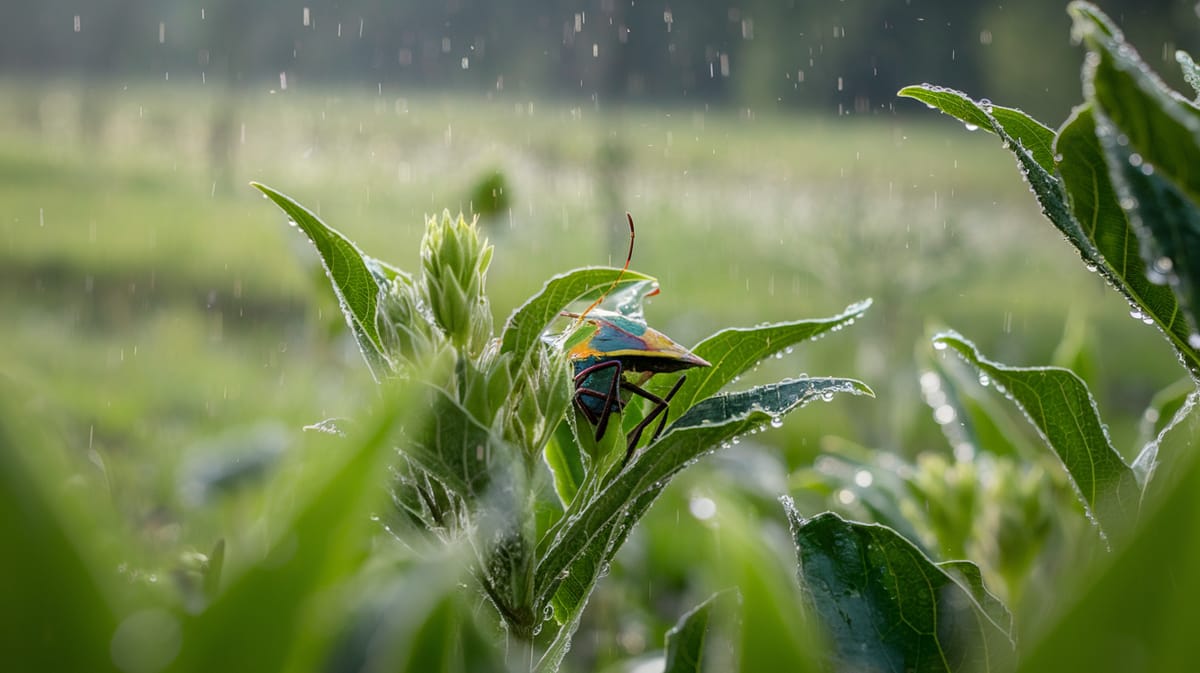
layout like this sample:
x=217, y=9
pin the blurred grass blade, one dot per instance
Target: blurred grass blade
x=1094, y=200
x=54, y=614
x=256, y=622
x=526, y=324
x=354, y=283
x=686, y=640
x=1135, y=610
x=734, y=351
x=1059, y=405
x=1153, y=146
x=578, y=552
x=1033, y=136
x=886, y=606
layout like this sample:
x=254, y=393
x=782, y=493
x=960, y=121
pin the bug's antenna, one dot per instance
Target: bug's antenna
x=628, y=258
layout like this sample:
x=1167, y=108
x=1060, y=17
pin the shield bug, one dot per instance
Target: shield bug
x=616, y=358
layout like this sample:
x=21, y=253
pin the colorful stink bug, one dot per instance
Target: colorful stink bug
x=619, y=345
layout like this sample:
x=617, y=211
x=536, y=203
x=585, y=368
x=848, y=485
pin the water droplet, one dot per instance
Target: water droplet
x=777, y=421
x=703, y=508
x=939, y=345
x=864, y=479
x=970, y=127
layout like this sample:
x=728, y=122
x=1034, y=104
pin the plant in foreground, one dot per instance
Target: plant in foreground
x=1118, y=180
x=489, y=412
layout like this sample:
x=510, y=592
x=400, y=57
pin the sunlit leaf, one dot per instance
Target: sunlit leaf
x=1059, y=405
x=356, y=286
x=1032, y=135
x=886, y=606
x=732, y=352
x=526, y=324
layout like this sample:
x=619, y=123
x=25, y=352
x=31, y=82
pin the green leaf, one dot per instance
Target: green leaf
x=1035, y=137
x=886, y=606
x=1191, y=72
x=1085, y=175
x=1153, y=145
x=772, y=399
x=970, y=578
x=1169, y=408
x=526, y=324
x=1045, y=186
x=579, y=550
x=453, y=446
x=563, y=458
x=734, y=351
x=686, y=639
x=1059, y=405
x=255, y=623
x=355, y=284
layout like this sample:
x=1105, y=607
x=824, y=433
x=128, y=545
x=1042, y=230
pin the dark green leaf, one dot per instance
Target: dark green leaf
x=886, y=606
x=1085, y=176
x=255, y=623
x=526, y=324
x=589, y=539
x=734, y=351
x=1152, y=137
x=970, y=578
x=1059, y=405
x=772, y=399
x=355, y=284
x=686, y=639
x=453, y=446
x=1034, y=136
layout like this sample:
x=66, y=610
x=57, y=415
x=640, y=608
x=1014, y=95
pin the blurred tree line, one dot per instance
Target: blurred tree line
x=838, y=56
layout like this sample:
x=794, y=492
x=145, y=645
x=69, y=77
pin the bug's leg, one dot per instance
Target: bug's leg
x=661, y=408
x=667, y=407
x=612, y=399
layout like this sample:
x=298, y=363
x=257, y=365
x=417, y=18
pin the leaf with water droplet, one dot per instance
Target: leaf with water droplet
x=735, y=350
x=1151, y=127
x=1060, y=407
x=349, y=270
x=886, y=606
x=1032, y=135
x=526, y=324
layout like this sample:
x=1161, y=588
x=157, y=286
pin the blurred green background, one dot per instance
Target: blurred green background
x=160, y=316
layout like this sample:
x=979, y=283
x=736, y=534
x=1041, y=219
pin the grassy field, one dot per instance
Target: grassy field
x=160, y=313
